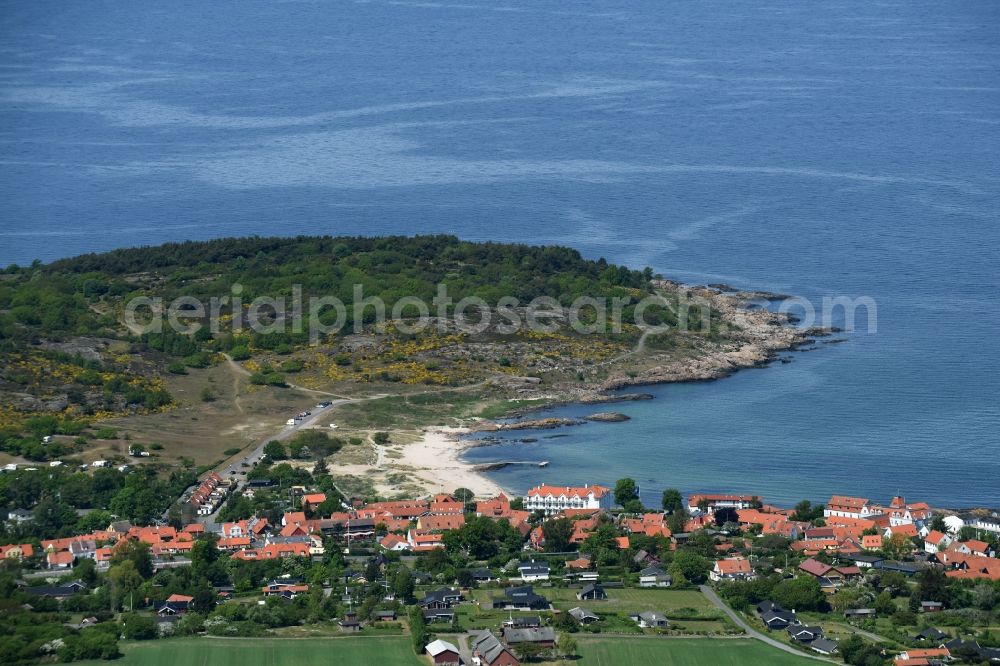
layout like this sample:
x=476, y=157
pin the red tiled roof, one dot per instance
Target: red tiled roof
x=313, y=498
x=442, y=522
x=732, y=566
x=815, y=567
x=846, y=503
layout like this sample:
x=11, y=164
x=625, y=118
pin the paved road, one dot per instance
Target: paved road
x=740, y=622
x=250, y=458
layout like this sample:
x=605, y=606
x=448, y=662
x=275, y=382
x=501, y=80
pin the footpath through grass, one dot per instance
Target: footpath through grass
x=346, y=651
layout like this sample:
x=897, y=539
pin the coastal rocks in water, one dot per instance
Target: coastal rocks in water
x=608, y=417
x=599, y=399
x=548, y=423
x=490, y=467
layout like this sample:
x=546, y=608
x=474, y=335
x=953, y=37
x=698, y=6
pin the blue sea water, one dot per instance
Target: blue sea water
x=822, y=149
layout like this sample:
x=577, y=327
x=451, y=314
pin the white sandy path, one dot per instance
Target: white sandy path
x=435, y=459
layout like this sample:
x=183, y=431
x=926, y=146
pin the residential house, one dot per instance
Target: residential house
x=311, y=501
x=849, y=507
x=900, y=512
x=654, y=577
x=440, y=522
x=931, y=606
x=973, y=547
x=432, y=615
x=774, y=616
x=542, y=636
x=532, y=571
x=823, y=646
x=17, y=551
x=522, y=621
x=498, y=507
x=420, y=541
x=931, y=635
x=491, y=652
x=520, y=598
x=922, y=656
x=734, y=568
x=394, y=542
x=592, y=591
x=801, y=633
x=907, y=530
x=285, y=589
x=62, y=559
x=482, y=575
x=175, y=604
x=984, y=523
x=829, y=576
x=443, y=653
x=650, y=620
x=58, y=592
x=936, y=541
x=712, y=502
x=583, y=616
x=445, y=597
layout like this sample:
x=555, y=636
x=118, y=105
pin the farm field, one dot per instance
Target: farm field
x=345, y=651
x=682, y=652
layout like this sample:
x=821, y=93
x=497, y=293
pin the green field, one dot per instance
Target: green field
x=346, y=651
x=628, y=600
x=682, y=652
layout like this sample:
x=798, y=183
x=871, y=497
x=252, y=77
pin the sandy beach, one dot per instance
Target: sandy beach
x=434, y=459
x=427, y=465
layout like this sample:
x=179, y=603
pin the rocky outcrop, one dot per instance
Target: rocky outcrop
x=548, y=423
x=600, y=399
x=607, y=417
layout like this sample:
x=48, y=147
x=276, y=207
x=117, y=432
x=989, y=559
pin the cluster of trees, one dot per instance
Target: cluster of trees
x=55, y=299
x=484, y=539
x=272, y=502
x=308, y=444
x=55, y=497
x=121, y=599
x=802, y=593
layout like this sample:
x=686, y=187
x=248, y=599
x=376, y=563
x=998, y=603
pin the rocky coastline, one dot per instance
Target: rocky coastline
x=755, y=337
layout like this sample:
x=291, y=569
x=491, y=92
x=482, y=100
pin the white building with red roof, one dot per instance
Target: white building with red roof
x=849, y=507
x=553, y=499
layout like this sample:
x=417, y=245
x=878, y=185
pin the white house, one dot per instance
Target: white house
x=841, y=506
x=735, y=568
x=953, y=523
x=712, y=502
x=553, y=499
x=654, y=577
x=936, y=541
x=989, y=524
x=531, y=571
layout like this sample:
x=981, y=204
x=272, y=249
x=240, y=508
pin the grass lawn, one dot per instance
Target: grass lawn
x=627, y=600
x=346, y=651
x=682, y=652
